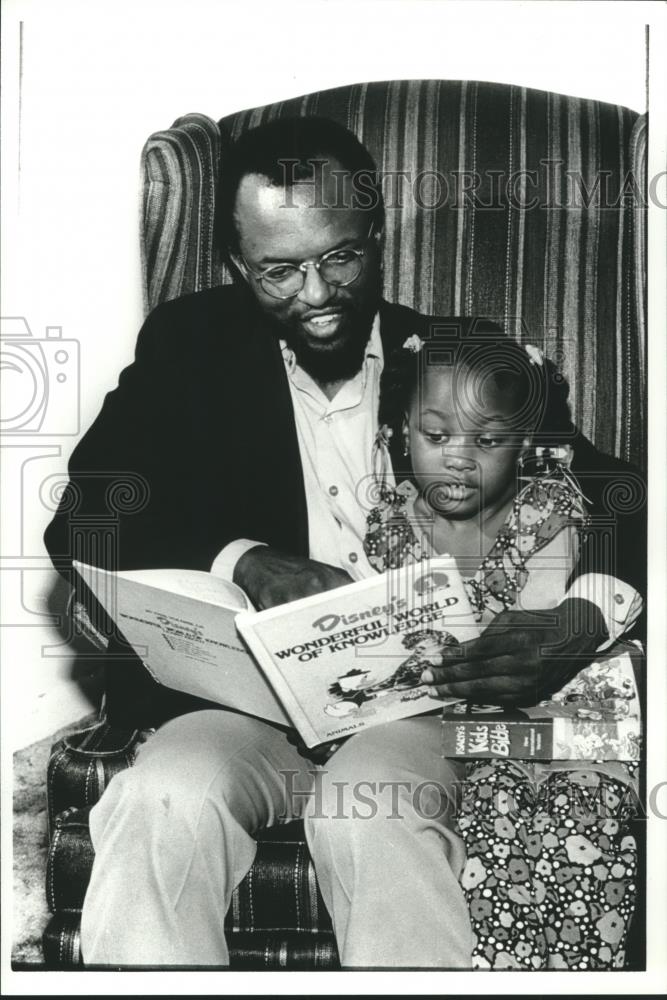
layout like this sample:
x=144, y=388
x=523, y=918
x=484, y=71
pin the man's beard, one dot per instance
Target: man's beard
x=341, y=359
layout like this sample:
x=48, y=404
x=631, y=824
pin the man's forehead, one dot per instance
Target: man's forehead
x=257, y=193
x=303, y=219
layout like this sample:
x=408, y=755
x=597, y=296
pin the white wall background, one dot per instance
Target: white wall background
x=95, y=80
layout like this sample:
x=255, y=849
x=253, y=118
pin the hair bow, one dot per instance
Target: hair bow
x=414, y=344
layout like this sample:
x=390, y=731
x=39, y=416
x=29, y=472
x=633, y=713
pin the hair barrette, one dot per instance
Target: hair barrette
x=413, y=344
x=535, y=354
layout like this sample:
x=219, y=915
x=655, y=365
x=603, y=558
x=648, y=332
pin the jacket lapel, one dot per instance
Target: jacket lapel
x=276, y=495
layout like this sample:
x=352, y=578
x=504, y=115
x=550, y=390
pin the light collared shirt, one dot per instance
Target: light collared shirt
x=336, y=445
x=336, y=439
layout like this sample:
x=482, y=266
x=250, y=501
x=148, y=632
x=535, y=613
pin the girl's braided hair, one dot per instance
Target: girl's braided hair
x=479, y=345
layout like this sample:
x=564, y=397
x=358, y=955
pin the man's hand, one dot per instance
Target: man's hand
x=270, y=577
x=318, y=754
x=523, y=656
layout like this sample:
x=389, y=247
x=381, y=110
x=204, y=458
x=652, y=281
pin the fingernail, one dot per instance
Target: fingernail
x=427, y=677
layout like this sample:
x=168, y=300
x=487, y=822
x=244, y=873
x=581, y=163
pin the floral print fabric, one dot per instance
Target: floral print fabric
x=540, y=513
x=551, y=868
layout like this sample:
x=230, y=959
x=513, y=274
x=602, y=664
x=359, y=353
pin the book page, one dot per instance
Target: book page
x=191, y=583
x=186, y=643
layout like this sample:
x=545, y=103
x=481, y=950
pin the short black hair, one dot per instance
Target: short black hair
x=480, y=345
x=287, y=150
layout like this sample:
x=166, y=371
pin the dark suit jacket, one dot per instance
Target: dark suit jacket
x=201, y=430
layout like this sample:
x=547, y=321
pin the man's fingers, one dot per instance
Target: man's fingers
x=497, y=691
x=510, y=632
x=270, y=577
x=485, y=647
x=465, y=671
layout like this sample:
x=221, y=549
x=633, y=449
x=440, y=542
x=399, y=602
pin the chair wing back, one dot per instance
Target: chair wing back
x=524, y=206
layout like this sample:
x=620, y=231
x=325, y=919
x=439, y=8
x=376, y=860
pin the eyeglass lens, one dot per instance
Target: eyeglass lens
x=288, y=280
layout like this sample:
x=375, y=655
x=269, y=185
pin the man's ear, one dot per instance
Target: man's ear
x=239, y=264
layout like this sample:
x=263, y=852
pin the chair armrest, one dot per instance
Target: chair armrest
x=82, y=765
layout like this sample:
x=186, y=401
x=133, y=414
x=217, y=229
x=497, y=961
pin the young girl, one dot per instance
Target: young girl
x=550, y=862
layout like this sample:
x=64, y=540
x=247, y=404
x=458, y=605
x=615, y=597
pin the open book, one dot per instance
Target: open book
x=329, y=665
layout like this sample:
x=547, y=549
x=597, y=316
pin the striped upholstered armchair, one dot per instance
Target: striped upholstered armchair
x=516, y=204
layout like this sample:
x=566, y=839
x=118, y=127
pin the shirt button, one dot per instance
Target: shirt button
x=619, y=598
x=333, y=490
x=353, y=557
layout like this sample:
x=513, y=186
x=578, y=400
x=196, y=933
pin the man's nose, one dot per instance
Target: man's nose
x=315, y=291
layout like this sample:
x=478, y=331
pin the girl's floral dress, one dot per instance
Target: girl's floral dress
x=551, y=861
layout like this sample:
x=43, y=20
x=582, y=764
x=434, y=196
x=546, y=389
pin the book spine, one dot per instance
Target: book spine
x=544, y=739
x=482, y=739
x=277, y=681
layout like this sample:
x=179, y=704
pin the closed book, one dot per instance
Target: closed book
x=596, y=716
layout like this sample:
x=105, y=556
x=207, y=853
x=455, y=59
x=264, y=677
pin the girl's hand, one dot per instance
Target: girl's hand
x=523, y=656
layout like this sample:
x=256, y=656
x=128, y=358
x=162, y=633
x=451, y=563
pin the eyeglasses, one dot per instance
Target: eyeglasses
x=337, y=267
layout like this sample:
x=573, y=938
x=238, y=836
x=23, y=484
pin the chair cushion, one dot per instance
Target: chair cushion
x=247, y=950
x=69, y=861
x=82, y=765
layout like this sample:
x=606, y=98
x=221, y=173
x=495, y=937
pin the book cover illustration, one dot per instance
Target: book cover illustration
x=353, y=657
x=596, y=716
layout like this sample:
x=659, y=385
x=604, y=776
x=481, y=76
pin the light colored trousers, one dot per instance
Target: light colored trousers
x=173, y=838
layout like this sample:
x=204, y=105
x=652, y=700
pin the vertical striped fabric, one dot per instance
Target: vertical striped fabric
x=180, y=170
x=516, y=204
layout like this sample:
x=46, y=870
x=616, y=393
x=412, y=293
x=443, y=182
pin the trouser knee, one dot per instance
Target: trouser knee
x=354, y=809
x=153, y=795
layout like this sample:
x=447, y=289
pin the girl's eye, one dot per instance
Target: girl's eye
x=488, y=441
x=435, y=437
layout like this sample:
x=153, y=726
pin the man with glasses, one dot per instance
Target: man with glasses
x=251, y=412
